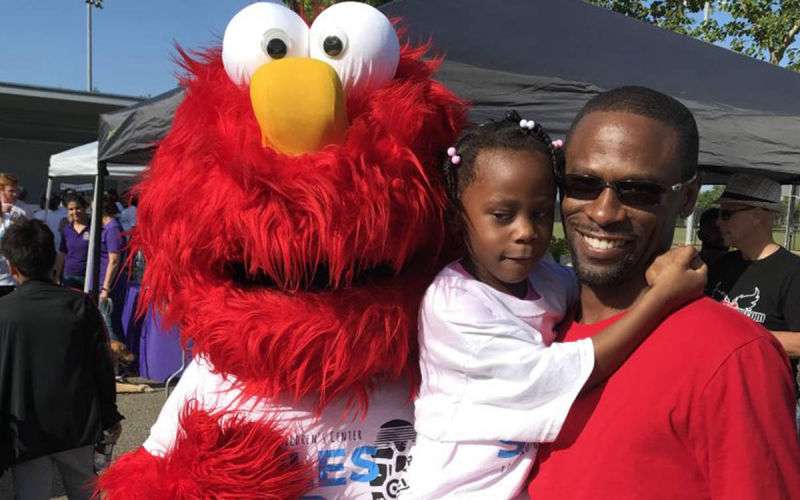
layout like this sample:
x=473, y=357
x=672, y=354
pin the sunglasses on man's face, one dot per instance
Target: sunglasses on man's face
x=633, y=193
x=726, y=214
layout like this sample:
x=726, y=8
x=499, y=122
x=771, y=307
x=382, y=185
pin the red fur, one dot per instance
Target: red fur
x=214, y=195
x=212, y=458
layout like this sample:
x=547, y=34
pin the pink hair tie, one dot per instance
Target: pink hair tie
x=455, y=159
x=558, y=144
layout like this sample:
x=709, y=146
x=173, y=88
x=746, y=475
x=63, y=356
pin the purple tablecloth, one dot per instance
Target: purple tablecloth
x=158, y=349
x=131, y=326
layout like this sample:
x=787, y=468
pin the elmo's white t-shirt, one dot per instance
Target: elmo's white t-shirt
x=493, y=383
x=357, y=456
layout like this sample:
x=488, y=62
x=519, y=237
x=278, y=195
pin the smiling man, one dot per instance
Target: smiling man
x=704, y=408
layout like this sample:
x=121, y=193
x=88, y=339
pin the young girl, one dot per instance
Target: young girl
x=493, y=381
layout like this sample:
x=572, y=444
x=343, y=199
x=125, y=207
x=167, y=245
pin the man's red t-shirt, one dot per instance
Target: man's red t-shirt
x=703, y=409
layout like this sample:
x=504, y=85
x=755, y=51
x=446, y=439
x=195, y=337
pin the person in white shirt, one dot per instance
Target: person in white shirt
x=56, y=217
x=494, y=382
x=127, y=217
x=22, y=202
x=9, y=193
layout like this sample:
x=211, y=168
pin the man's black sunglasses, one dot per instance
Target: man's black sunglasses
x=633, y=193
x=726, y=213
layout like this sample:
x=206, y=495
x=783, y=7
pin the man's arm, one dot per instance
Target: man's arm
x=60, y=256
x=744, y=428
x=790, y=342
x=790, y=338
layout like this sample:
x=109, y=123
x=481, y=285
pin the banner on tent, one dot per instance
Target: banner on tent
x=77, y=187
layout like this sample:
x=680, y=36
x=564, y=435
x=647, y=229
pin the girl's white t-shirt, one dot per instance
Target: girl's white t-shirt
x=493, y=383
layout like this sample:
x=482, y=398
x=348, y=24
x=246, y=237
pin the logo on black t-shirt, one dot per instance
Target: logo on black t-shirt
x=744, y=303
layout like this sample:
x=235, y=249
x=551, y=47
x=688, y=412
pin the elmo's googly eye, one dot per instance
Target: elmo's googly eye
x=359, y=42
x=275, y=43
x=260, y=33
x=333, y=45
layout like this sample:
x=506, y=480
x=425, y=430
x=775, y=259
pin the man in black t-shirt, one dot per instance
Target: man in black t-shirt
x=760, y=279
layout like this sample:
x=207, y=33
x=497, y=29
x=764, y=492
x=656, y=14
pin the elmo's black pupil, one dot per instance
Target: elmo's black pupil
x=332, y=46
x=276, y=48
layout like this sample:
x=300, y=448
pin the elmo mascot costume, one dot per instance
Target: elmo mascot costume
x=291, y=221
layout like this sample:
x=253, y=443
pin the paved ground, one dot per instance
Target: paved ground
x=140, y=412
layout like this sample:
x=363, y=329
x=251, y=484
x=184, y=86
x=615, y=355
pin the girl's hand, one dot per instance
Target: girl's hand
x=104, y=295
x=677, y=276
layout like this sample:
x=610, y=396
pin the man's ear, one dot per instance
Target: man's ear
x=764, y=217
x=690, y=196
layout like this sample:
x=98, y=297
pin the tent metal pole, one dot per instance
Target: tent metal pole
x=93, y=272
x=689, y=237
x=789, y=236
x=47, y=194
x=90, y=251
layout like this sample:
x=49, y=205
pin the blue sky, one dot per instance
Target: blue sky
x=43, y=42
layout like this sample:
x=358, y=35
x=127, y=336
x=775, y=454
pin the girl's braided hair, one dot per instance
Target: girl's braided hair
x=512, y=132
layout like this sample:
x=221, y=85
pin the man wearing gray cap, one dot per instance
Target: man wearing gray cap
x=760, y=279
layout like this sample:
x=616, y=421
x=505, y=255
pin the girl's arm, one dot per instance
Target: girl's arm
x=674, y=280
x=59, y=265
x=111, y=271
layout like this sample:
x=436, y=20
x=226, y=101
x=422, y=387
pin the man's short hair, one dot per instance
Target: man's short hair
x=647, y=102
x=28, y=245
x=109, y=207
x=710, y=215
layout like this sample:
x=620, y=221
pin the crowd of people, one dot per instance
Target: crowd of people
x=650, y=391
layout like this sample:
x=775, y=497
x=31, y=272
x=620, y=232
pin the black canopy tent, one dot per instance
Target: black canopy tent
x=127, y=136
x=130, y=135
x=546, y=58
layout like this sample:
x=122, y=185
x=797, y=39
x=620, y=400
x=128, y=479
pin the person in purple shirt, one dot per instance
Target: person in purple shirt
x=74, y=246
x=112, y=281
x=74, y=253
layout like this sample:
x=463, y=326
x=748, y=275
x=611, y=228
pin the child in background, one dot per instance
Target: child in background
x=493, y=381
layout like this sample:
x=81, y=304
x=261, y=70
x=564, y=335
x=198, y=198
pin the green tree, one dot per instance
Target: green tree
x=765, y=29
x=707, y=198
x=312, y=7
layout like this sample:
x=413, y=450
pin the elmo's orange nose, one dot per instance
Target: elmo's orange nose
x=299, y=105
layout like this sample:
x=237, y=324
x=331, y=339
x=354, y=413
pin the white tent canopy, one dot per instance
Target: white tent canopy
x=82, y=161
